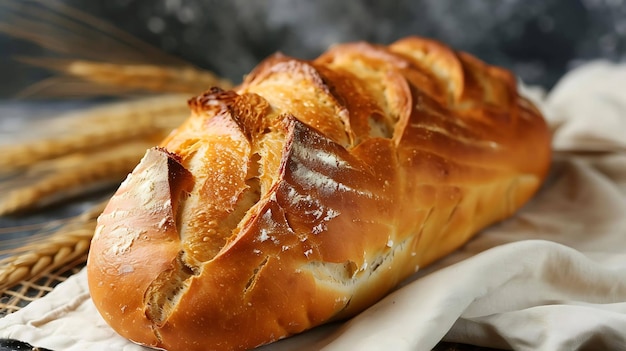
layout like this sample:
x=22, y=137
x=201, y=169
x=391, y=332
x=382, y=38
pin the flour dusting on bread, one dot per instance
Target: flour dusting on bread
x=310, y=191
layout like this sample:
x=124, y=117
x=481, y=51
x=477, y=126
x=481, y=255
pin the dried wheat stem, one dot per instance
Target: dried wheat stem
x=95, y=128
x=148, y=77
x=26, y=154
x=112, y=166
x=80, y=34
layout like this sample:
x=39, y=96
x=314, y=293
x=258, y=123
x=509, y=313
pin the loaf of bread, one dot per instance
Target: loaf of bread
x=308, y=192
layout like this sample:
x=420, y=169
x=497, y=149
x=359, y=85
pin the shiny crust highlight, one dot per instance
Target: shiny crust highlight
x=308, y=192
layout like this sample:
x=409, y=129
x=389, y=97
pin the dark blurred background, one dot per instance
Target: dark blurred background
x=538, y=39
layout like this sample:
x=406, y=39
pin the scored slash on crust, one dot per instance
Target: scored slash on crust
x=311, y=191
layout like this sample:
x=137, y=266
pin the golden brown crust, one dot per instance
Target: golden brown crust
x=309, y=192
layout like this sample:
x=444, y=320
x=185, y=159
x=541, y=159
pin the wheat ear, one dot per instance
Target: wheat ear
x=87, y=171
x=95, y=127
x=16, y=156
x=136, y=77
x=67, y=244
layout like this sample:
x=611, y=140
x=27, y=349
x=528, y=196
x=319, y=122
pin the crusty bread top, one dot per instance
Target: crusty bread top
x=310, y=191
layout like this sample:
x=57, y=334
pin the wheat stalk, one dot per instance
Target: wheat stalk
x=68, y=243
x=135, y=77
x=94, y=128
x=148, y=77
x=54, y=25
x=16, y=156
x=86, y=171
x=98, y=53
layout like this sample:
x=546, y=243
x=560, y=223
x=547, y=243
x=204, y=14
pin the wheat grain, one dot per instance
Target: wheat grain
x=26, y=154
x=135, y=77
x=149, y=77
x=36, y=286
x=60, y=252
x=94, y=128
x=87, y=171
x=68, y=243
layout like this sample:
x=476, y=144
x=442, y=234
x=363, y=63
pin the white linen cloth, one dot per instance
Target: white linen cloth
x=553, y=277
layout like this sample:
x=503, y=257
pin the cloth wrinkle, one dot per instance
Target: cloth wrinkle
x=53, y=314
